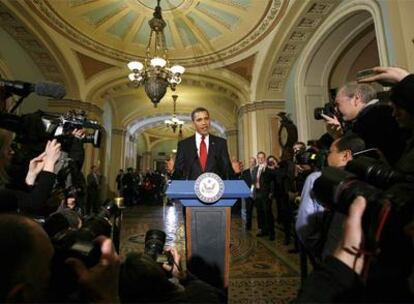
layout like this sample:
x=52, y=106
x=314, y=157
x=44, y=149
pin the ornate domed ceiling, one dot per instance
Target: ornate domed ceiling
x=198, y=32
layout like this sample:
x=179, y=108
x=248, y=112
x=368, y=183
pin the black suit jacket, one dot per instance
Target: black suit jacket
x=248, y=177
x=267, y=178
x=187, y=162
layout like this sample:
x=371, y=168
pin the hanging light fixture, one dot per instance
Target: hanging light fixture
x=174, y=123
x=155, y=73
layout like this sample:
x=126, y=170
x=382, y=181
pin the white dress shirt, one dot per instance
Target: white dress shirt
x=198, y=142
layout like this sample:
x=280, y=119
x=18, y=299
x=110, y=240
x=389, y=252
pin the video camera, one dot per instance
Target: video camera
x=154, y=247
x=38, y=127
x=61, y=125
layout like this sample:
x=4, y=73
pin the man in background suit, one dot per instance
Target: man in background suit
x=247, y=176
x=202, y=152
x=264, y=175
x=94, y=181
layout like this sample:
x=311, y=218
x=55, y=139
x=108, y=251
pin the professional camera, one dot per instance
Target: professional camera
x=384, y=189
x=337, y=188
x=311, y=157
x=38, y=127
x=271, y=163
x=154, y=247
x=61, y=126
x=79, y=243
x=328, y=109
x=75, y=243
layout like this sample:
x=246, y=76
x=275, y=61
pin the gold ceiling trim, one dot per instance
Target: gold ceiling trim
x=261, y=105
x=270, y=19
x=299, y=35
x=34, y=47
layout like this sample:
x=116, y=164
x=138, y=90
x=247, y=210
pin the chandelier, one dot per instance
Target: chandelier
x=174, y=123
x=155, y=73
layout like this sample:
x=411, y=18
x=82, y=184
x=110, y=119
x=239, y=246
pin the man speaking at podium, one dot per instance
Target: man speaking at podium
x=202, y=152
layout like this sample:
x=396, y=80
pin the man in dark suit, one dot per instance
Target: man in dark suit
x=202, y=152
x=247, y=176
x=94, y=181
x=264, y=175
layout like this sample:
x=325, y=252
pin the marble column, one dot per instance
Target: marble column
x=232, y=143
x=117, y=157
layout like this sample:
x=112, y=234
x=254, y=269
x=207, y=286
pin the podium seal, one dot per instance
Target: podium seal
x=209, y=187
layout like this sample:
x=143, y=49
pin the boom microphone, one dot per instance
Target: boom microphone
x=49, y=89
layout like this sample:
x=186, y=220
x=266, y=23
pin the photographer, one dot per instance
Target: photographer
x=39, y=180
x=313, y=221
x=402, y=98
x=285, y=192
x=143, y=280
x=26, y=265
x=369, y=119
x=343, y=277
x=337, y=280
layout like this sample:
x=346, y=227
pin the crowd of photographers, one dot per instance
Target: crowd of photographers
x=354, y=220
x=356, y=216
x=58, y=238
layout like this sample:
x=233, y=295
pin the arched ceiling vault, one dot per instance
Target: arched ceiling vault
x=40, y=46
x=220, y=96
x=299, y=24
x=218, y=41
x=198, y=32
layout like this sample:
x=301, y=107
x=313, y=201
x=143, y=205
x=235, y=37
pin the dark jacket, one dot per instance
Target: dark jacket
x=33, y=200
x=334, y=282
x=247, y=177
x=187, y=163
x=376, y=126
x=267, y=180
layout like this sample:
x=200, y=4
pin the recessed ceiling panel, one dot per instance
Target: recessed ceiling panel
x=198, y=31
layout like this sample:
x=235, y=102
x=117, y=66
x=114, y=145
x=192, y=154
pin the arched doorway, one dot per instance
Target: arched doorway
x=351, y=39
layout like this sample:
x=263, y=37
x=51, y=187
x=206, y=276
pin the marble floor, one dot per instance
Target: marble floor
x=261, y=271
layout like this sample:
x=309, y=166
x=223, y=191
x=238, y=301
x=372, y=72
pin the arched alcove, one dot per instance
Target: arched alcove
x=332, y=57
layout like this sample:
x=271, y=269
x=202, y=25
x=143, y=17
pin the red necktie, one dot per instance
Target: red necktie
x=203, y=153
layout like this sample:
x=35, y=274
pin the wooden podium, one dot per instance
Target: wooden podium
x=207, y=229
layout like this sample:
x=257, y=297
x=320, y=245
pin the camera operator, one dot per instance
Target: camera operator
x=143, y=280
x=26, y=265
x=33, y=130
x=313, y=221
x=367, y=118
x=39, y=180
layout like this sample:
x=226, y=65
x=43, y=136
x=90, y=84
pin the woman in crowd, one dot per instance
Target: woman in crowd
x=40, y=178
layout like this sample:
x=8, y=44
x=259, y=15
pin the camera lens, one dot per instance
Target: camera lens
x=154, y=242
x=317, y=113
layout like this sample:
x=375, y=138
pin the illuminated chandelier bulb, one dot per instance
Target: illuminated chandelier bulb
x=177, y=69
x=135, y=66
x=158, y=62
